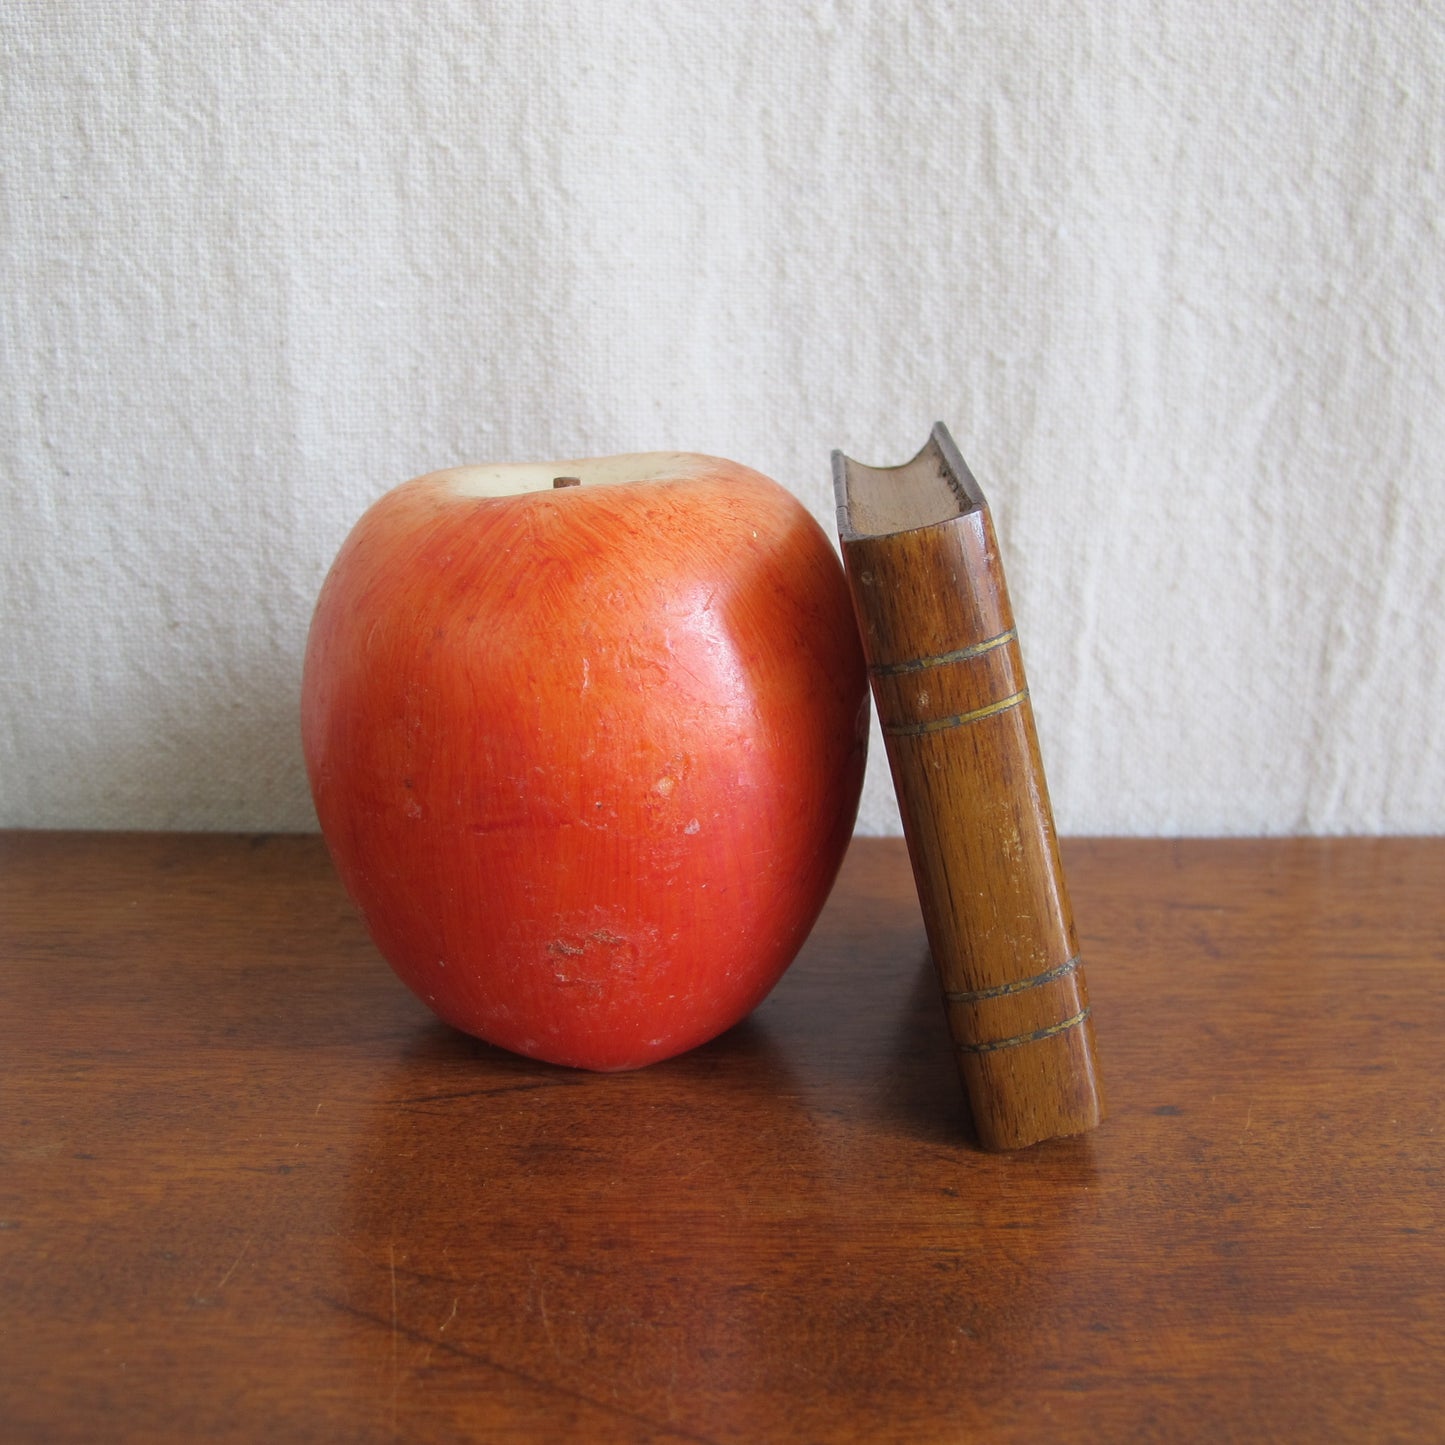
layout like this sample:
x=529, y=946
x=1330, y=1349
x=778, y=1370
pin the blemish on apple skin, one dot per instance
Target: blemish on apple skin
x=664, y=785
x=693, y=827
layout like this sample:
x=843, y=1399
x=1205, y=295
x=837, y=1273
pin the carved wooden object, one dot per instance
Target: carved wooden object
x=948, y=681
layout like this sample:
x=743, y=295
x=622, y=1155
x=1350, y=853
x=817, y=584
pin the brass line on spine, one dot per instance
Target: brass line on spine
x=938, y=725
x=942, y=659
x=1019, y=985
x=992, y=1045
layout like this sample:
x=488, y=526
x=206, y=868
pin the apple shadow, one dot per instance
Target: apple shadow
x=745, y=1050
x=574, y=1230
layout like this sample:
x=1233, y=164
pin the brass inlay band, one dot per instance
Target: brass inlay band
x=992, y=1045
x=1019, y=985
x=942, y=659
x=941, y=724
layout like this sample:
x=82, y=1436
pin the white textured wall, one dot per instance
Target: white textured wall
x=1172, y=273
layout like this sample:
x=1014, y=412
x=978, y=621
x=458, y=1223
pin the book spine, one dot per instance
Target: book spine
x=948, y=681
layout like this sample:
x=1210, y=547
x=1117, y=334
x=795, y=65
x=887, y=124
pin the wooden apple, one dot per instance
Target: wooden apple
x=586, y=741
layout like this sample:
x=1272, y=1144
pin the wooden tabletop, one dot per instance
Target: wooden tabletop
x=249, y=1190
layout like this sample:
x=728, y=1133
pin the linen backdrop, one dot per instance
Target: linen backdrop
x=1172, y=273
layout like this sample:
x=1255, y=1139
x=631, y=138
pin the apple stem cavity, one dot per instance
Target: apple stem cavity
x=566, y=482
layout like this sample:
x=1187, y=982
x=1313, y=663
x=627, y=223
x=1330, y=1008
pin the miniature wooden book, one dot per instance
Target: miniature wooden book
x=948, y=681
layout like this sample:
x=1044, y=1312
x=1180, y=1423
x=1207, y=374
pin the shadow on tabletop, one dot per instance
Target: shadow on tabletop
x=631, y=1241
x=609, y=1236
x=920, y=1094
x=923, y=1097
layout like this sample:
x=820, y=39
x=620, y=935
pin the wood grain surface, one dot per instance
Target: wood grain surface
x=250, y=1191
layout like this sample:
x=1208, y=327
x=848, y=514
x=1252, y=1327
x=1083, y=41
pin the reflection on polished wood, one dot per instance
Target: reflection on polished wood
x=249, y=1190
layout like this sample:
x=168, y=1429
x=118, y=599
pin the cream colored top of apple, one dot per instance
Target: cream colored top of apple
x=510, y=479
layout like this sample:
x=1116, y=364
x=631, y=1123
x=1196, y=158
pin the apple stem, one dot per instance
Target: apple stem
x=566, y=482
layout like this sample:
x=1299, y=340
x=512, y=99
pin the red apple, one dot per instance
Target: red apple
x=587, y=756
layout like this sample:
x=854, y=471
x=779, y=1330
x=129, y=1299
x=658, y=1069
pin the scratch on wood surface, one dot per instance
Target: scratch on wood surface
x=441, y=1330
x=395, y=1364
x=542, y=1311
x=452, y=1095
x=221, y=1284
x=657, y=1429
